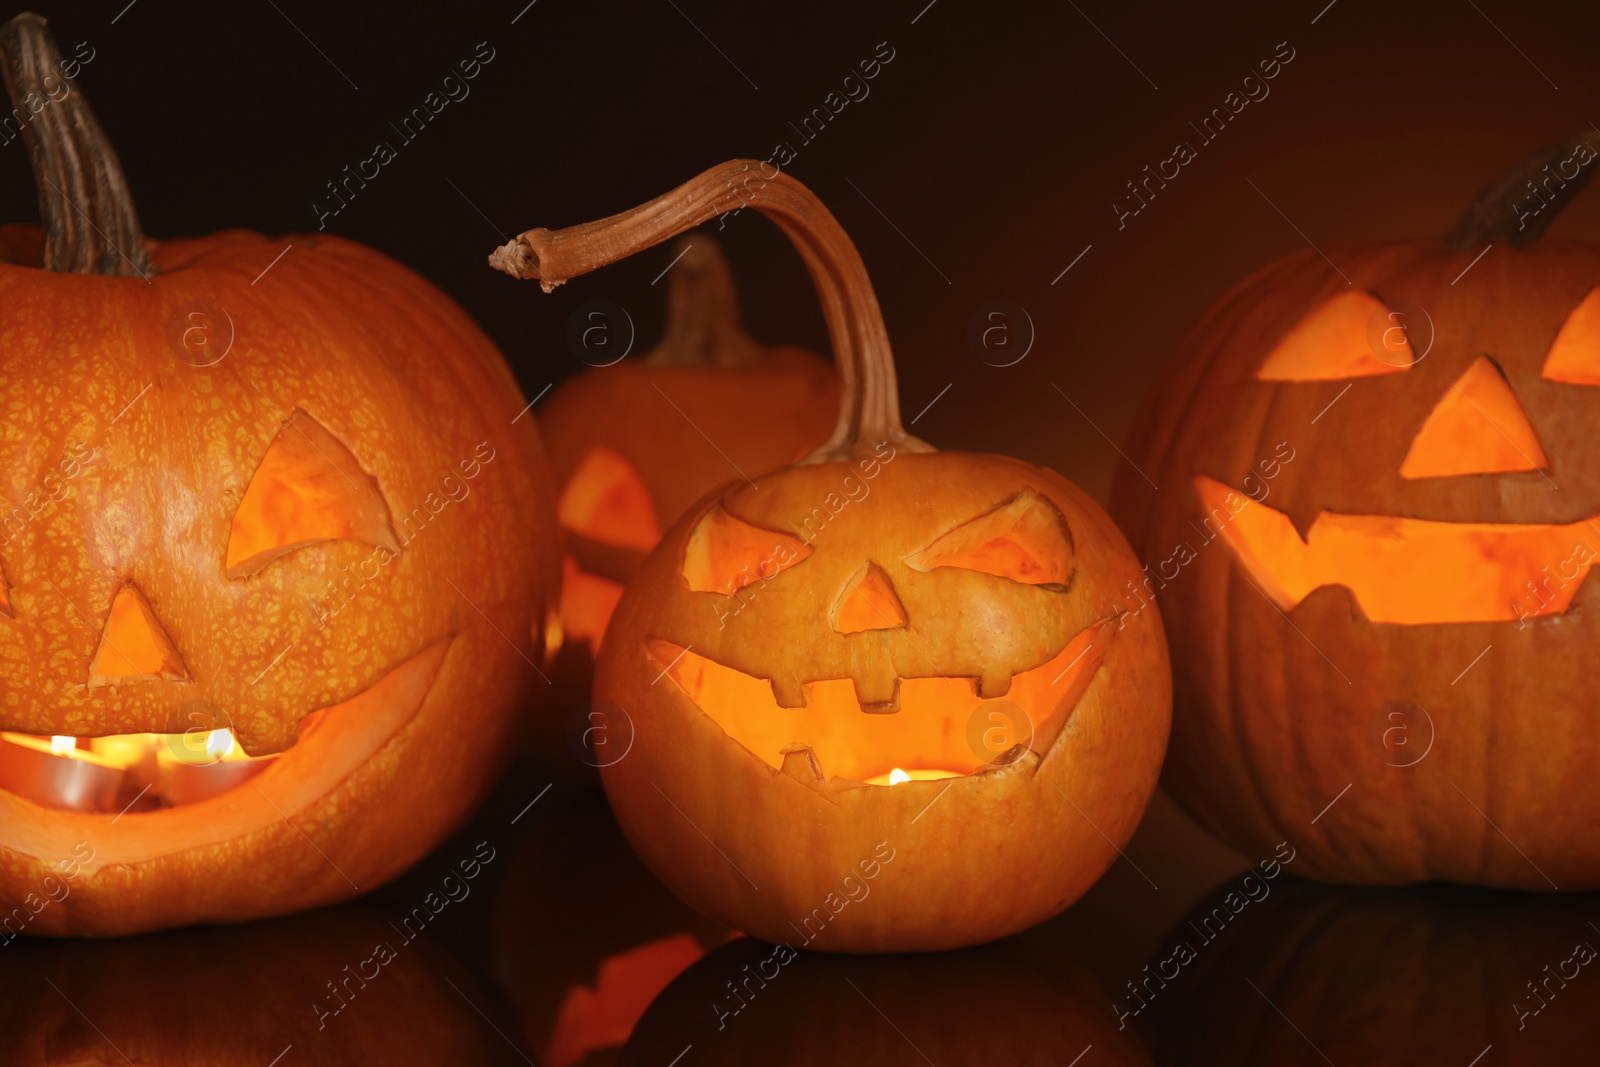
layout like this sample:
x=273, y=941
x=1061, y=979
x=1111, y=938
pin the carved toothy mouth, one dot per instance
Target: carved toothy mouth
x=134, y=774
x=942, y=727
x=1406, y=571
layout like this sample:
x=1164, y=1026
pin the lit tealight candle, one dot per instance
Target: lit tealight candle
x=896, y=776
x=55, y=773
x=188, y=772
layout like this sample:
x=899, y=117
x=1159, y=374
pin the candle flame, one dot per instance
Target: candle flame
x=61, y=745
x=219, y=743
x=897, y=776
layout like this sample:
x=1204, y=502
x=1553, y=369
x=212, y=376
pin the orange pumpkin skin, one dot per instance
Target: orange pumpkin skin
x=975, y=857
x=1392, y=977
x=415, y=663
x=1281, y=708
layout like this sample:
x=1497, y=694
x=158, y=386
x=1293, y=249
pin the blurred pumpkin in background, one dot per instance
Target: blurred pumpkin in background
x=841, y=643
x=273, y=554
x=585, y=937
x=1377, y=512
x=634, y=443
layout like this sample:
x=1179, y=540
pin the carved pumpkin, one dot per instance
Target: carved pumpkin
x=263, y=501
x=806, y=654
x=1374, y=523
x=335, y=986
x=635, y=443
x=1423, y=975
x=580, y=984
x=752, y=1002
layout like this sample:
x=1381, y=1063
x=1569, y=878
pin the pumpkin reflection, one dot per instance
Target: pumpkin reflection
x=1433, y=974
x=585, y=937
x=242, y=995
x=752, y=1002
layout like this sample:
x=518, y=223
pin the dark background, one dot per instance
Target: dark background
x=996, y=140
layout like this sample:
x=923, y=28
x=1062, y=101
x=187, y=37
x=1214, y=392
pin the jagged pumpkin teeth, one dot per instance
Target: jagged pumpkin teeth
x=834, y=644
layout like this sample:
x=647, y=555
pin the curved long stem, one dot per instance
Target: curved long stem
x=869, y=405
x=86, y=213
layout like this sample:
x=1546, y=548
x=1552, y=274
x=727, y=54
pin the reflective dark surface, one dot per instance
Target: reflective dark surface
x=559, y=940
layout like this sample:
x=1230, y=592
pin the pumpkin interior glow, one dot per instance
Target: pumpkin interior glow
x=924, y=739
x=1575, y=354
x=309, y=488
x=1399, y=570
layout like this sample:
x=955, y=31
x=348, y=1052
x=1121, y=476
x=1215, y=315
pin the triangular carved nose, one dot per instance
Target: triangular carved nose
x=868, y=602
x=1477, y=428
x=133, y=646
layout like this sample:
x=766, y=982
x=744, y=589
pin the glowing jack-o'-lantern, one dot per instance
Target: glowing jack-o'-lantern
x=272, y=553
x=1376, y=517
x=635, y=443
x=808, y=654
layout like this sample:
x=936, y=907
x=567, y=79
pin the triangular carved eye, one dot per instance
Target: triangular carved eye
x=868, y=602
x=725, y=553
x=1575, y=354
x=308, y=488
x=1477, y=428
x=606, y=501
x=133, y=646
x=1025, y=539
x=1354, y=335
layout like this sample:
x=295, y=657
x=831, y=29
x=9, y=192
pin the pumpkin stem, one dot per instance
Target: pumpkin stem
x=869, y=404
x=86, y=214
x=703, y=311
x=1518, y=206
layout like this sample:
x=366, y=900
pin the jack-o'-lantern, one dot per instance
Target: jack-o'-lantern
x=1382, y=977
x=753, y=1002
x=272, y=551
x=635, y=443
x=327, y=989
x=581, y=983
x=883, y=665
x=1376, y=514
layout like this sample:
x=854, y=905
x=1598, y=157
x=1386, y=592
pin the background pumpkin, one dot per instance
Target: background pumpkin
x=1383, y=658
x=953, y=580
x=633, y=444
x=289, y=485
